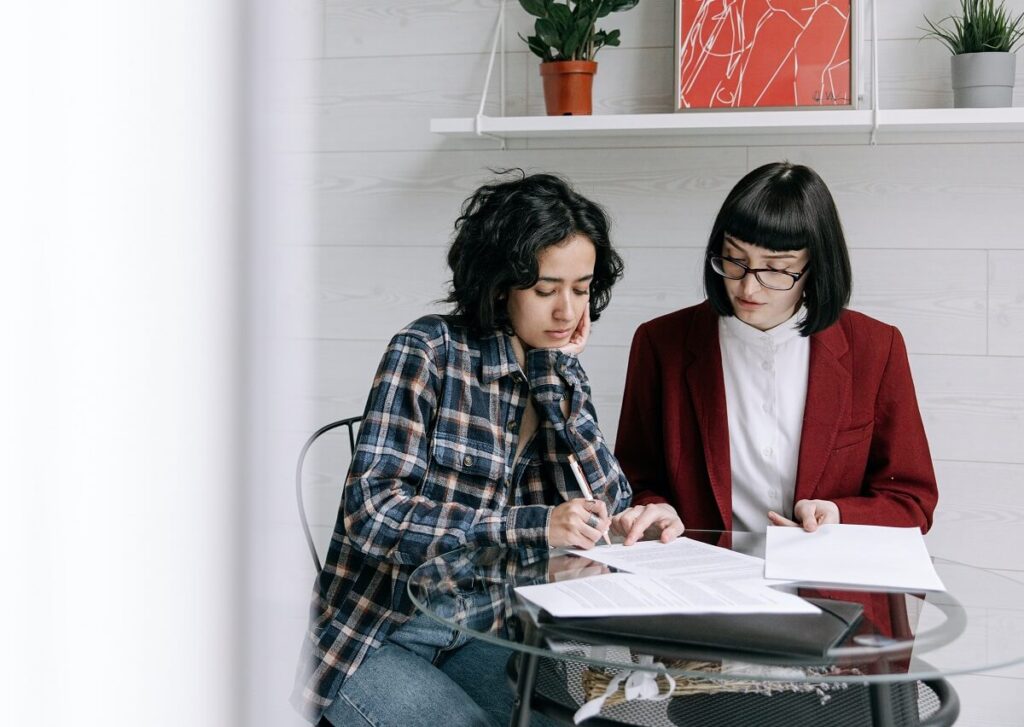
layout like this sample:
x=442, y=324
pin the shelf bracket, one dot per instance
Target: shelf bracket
x=499, y=36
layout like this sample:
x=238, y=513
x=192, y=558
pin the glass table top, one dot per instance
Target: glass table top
x=977, y=625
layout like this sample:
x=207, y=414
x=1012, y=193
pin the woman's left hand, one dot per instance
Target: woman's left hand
x=809, y=514
x=578, y=339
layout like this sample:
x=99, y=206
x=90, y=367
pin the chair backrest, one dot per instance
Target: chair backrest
x=350, y=424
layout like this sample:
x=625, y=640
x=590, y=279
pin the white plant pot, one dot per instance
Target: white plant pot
x=983, y=80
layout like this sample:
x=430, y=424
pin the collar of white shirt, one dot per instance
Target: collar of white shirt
x=785, y=331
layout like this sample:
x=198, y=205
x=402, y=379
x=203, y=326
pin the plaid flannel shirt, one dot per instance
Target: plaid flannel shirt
x=433, y=470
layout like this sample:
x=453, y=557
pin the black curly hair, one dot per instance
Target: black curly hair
x=500, y=234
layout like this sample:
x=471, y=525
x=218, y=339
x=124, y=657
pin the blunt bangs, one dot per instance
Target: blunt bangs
x=776, y=224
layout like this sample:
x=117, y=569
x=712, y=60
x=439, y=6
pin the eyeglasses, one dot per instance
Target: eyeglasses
x=771, y=279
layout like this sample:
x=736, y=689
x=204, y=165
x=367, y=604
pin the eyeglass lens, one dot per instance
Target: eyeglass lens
x=768, y=278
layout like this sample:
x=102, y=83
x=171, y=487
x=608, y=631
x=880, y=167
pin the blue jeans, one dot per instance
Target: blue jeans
x=427, y=674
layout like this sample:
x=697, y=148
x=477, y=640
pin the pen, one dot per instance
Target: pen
x=588, y=494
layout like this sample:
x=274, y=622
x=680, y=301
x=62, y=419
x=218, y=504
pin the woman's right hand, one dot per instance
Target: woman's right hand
x=578, y=523
x=658, y=520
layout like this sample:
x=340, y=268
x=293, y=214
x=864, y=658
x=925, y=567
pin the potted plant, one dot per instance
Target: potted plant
x=566, y=40
x=982, y=39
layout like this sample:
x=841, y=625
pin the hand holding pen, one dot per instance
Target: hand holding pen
x=588, y=494
x=580, y=522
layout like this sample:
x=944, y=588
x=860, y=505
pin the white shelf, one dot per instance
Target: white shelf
x=1004, y=120
x=1003, y=124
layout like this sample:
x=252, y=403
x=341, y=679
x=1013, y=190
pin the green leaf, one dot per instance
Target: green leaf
x=566, y=30
x=572, y=48
x=538, y=48
x=548, y=33
x=982, y=26
x=606, y=7
x=621, y=6
x=538, y=8
x=562, y=17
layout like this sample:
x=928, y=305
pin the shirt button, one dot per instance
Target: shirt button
x=767, y=452
x=766, y=365
x=767, y=407
x=467, y=460
x=513, y=425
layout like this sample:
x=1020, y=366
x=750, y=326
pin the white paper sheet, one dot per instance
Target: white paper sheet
x=628, y=594
x=682, y=557
x=854, y=556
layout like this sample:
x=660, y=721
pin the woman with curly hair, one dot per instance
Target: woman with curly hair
x=466, y=441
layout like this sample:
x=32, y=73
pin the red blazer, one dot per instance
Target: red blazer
x=862, y=446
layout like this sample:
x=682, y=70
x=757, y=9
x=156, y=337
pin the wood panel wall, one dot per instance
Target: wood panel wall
x=934, y=225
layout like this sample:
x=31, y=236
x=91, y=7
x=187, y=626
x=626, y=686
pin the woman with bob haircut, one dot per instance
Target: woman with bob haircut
x=770, y=402
x=465, y=442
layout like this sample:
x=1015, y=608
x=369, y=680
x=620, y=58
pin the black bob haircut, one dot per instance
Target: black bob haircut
x=503, y=228
x=782, y=206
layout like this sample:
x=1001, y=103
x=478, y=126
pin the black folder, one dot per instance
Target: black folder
x=790, y=634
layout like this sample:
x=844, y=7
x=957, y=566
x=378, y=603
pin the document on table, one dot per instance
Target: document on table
x=631, y=594
x=684, y=576
x=856, y=556
x=683, y=557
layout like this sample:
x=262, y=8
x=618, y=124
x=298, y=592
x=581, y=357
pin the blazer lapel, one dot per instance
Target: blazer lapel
x=829, y=387
x=707, y=392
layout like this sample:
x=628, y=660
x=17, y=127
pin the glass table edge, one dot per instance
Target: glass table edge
x=929, y=673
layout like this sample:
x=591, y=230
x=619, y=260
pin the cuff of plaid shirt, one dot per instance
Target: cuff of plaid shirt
x=528, y=525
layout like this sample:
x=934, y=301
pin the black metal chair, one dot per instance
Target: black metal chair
x=557, y=692
x=926, y=703
x=351, y=424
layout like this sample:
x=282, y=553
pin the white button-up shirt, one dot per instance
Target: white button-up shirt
x=765, y=392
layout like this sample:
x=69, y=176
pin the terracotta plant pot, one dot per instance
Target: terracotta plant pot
x=568, y=87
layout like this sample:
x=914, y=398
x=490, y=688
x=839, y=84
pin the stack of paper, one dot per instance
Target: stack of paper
x=687, y=576
x=684, y=576
x=853, y=556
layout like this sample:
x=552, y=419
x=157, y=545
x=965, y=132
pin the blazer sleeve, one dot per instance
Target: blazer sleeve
x=899, y=481
x=639, y=444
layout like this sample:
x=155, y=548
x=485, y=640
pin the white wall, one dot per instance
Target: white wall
x=153, y=360
x=281, y=36
x=119, y=293
x=933, y=224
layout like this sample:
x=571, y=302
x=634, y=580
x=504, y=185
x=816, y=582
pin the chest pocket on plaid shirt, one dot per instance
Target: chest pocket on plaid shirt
x=471, y=472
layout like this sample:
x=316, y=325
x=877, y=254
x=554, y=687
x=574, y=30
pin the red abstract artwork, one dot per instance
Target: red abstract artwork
x=760, y=53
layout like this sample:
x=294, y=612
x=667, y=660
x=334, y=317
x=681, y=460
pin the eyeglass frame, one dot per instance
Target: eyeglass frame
x=747, y=270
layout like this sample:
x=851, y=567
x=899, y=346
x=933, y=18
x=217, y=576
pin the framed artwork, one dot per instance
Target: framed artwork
x=755, y=54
